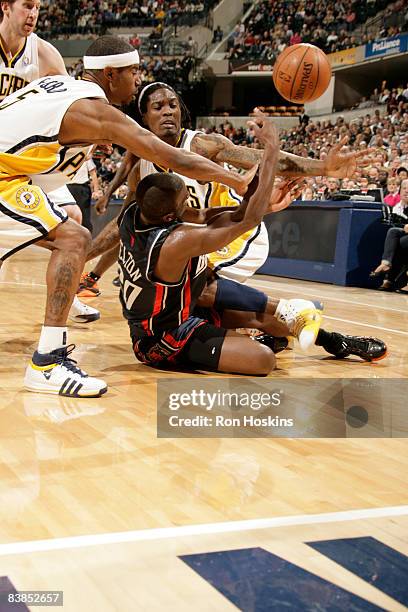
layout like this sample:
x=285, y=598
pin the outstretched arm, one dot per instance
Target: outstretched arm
x=95, y=121
x=337, y=164
x=283, y=194
x=120, y=177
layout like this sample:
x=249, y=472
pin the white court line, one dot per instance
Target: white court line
x=143, y=535
x=318, y=294
x=394, y=331
x=22, y=284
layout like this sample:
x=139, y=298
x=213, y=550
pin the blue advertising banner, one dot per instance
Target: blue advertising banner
x=387, y=46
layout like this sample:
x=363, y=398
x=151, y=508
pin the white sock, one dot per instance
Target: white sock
x=281, y=304
x=52, y=338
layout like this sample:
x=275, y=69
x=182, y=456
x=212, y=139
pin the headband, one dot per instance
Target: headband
x=98, y=62
x=146, y=87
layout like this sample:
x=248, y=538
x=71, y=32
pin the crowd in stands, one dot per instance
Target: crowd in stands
x=386, y=132
x=272, y=26
x=65, y=17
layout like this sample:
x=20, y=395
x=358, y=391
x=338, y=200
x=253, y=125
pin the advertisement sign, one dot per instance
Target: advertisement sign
x=253, y=65
x=347, y=57
x=387, y=46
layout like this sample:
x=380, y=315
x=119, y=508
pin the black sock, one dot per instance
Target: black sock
x=94, y=276
x=323, y=337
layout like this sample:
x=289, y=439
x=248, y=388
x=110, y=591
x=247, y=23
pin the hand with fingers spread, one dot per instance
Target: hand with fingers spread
x=342, y=165
x=284, y=193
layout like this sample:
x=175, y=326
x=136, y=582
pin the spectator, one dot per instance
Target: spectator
x=218, y=35
x=333, y=185
x=402, y=173
x=395, y=255
x=393, y=197
x=307, y=194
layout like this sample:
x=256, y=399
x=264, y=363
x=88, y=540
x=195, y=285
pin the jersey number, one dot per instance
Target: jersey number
x=193, y=200
x=130, y=291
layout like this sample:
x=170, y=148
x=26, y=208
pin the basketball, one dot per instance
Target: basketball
x=301, y=73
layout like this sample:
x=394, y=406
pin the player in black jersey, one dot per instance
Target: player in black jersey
x=163, y=271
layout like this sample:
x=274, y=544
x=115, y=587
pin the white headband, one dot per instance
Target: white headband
x=98, y=62
x=146, y=87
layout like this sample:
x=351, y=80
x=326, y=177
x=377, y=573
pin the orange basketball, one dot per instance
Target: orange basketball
x=301, y=73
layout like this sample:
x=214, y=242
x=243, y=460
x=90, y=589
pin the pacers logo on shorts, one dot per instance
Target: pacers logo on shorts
x=27, y=199
x=224, y=252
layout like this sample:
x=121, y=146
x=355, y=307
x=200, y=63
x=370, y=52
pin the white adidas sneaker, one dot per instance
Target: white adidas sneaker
x=56, y=373
x=82, y=313
x=303, y=318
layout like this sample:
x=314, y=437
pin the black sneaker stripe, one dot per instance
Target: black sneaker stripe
x=64, y=385
x=77, y=390
x=70, y=390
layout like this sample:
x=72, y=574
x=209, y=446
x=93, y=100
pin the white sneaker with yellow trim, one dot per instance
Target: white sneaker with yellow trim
x=56, y=373
x=303, y=319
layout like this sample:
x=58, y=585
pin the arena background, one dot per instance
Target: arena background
x=95, y=501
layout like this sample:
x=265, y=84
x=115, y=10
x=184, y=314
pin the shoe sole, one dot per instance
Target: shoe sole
x=85, y=318
x=377, y=358
x=55, y=391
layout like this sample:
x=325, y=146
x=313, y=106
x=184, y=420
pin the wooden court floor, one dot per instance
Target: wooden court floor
x=92, y=502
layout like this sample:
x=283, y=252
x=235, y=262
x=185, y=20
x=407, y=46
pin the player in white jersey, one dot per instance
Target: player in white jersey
x=25, y=57
x=46, y=131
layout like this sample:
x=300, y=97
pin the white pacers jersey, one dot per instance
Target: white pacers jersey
x=16, y=72
x=30, y=121
x=242, y=257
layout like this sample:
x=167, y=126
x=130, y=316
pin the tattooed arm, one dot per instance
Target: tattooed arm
x=220, y=149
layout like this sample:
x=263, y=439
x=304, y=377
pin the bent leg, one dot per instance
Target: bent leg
x=213, y=348
x=391, y=243
x=69, y=243
x=234, y=319
x=241, y=355
x=243, y=306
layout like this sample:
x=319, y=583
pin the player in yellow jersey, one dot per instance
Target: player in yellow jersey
x=46, y=131
x=24, y=57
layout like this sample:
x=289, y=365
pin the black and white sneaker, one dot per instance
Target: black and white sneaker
x=82, y=313
x=369, y=349
x=57, y=373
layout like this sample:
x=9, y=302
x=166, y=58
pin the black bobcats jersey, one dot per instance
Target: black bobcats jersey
x=153, y=305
